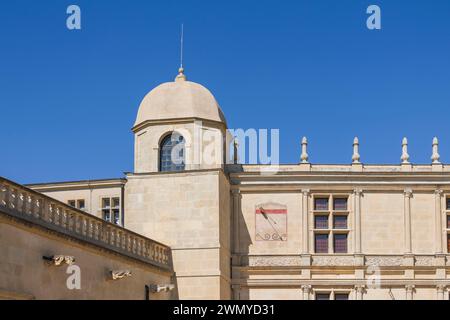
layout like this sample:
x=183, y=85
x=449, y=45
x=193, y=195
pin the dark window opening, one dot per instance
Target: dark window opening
x=323, y=296
x=321, y=243
x=340, y=204
x=321, y=204
x=172, y=157
x=321, y=222
x=341, y=296
x=340, y=243
x=340, y=222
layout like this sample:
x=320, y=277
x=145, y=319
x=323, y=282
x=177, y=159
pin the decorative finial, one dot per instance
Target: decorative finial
x=304, y=156
x=435, y=156
x=405, y=155
x=181, y=76
x=356, y=157
x=235, y=151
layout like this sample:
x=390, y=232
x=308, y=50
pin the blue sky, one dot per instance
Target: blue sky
x=68, y=99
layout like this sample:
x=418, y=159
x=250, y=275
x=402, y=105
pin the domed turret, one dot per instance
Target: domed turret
x=177, y=100
x=179, y=127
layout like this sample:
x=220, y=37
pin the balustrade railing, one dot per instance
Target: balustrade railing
x=24, y=203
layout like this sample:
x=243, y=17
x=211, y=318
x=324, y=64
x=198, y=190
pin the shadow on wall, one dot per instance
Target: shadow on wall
x=170, y=289
x=245, y=241
x=241, y=244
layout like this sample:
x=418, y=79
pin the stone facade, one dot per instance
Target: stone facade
x=397, y=234
x=386, y=238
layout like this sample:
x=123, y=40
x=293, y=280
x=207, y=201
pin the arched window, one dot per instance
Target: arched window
x=172, y=151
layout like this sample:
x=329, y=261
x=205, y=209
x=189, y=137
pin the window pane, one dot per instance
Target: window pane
x=340, y=243
x=171, y=158
x=321, y=222
x=448, y=222
x=81, y=204
x=106, y=215
x=321, y=243
x=322, y=296
x=106, y=203
x=116, y=214
x=116, y=202
x=448, y=243
x=71, y=203
x=448, y=203
x=340, y=222
x=340, y=204
x=321, y=204
x=341, y=296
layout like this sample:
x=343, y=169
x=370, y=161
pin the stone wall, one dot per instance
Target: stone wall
x=190, y=211
x=25, y=275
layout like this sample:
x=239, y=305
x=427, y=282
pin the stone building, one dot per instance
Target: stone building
x=305, y=231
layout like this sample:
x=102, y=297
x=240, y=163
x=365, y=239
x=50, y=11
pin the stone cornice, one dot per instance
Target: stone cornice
x=78, y=185
x=137, y=175
x=298, y=283
x=347, y=168
x=148, y=123
x=322, y=187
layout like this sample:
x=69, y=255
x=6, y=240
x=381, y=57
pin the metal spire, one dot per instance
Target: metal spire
x=181, y=46
x=181, y=75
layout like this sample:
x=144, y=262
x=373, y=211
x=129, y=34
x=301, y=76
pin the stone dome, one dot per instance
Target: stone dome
x=179, y=99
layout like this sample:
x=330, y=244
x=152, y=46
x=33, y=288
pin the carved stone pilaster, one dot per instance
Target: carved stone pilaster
x=440, y=291
x=306, y=289
x=407, y=213
x=439, y=217
x=410, y=288
x=236, y=289
x=357, y=217
x=305, y=226
x=236, y=193
x=359, y=291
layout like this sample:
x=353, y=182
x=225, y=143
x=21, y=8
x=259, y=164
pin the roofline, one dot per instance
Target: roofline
x=77, y=182
x=147, y=123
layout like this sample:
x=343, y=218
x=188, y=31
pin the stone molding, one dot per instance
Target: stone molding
x=337, y=261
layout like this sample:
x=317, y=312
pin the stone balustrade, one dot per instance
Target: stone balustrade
x=26, y=204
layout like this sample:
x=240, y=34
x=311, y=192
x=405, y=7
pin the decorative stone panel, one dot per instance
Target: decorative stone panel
x=274, y=261
x=384, y=261
x=333, y=261
x=424, y=261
